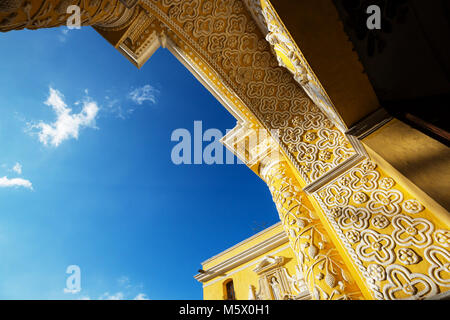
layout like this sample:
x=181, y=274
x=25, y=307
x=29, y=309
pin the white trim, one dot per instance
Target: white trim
x=241, y=243
x=245, y=267
x=243, y=257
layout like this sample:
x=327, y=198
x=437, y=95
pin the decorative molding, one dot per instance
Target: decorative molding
x=369, y=124
x=243, y=257
x=251, y=264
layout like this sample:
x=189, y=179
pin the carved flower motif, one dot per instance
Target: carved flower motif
x=376, y=272
x=319, y=169
x=368, y=166
x=412, y=206
x=325, y=155
x=337, y=196
x=387, y=202
x=292, y=135
x=297, y=121
x=353, y=236
x=380, y=221
x=310, y=136
x=439, y=259
x=313, y=121
x=345, y=181
x=327, y=123
x=407, y=256
x=329, y=139
x=336, y=212
x=280, y=120
x=292, y=148
x=402, y=284
x=387, y=183
x=360, y=197
x=409, y=231
x=376, y=247
x=354, y=218
x=362, y=180
x=306, y=153
x=442, y=237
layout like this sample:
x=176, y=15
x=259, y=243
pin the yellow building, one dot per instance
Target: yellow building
x=262, y=267
x=361, y=193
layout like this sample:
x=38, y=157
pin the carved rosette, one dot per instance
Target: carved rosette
x=324, y=272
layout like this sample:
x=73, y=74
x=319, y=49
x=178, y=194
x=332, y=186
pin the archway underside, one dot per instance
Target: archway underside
x=358, y=231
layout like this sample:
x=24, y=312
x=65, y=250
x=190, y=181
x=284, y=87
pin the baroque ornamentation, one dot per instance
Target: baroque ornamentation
x=414, y=232
x=412, y=206
x=401, y=226
x=321, y=265
x=442, y=237
x=380, y=221
x=407, y=256
x=440, y=265
x=376, y=247
x=402, y=284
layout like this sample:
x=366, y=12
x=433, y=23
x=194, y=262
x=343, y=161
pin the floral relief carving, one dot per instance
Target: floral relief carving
x=353, y=236
x=292, y=135
x=376, y=272
x=412, y=206
x=412, y=232
x=376, y=247
x=354, y=218
x=362, y=180
x=442, y=237
x=329, y=139
x=386, y=183
x=402, y=284
x=439, y=270
x=368, y=165
x=408, y=256
x=319, y=168
x=317, y=258
x=337, y=196
x=306, y=152
x=360, y=197
x=380, y=221
x=386, y=202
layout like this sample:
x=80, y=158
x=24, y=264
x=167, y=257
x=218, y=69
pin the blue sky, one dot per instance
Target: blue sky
x=86, y=176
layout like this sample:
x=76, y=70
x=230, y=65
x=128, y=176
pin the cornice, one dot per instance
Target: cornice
x=243, y=257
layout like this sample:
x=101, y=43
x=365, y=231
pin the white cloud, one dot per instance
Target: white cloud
x=62, y=37
x=141, y=296
x=67, y=124
x=15, y=183
x=142, y=94
x=116, y=296
x=17, y=168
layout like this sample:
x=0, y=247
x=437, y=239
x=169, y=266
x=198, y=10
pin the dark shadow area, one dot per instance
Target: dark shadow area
x=408, y=60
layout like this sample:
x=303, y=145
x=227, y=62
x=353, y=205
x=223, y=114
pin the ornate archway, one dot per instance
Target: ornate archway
x=358, y=230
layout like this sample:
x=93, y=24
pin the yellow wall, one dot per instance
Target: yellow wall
x=421, y=159
x=243, y=275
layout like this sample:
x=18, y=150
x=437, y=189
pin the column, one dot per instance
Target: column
x=324, y=271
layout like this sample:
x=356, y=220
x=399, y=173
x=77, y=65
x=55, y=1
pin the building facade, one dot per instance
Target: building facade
x=362, y=197
x=262, y=267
